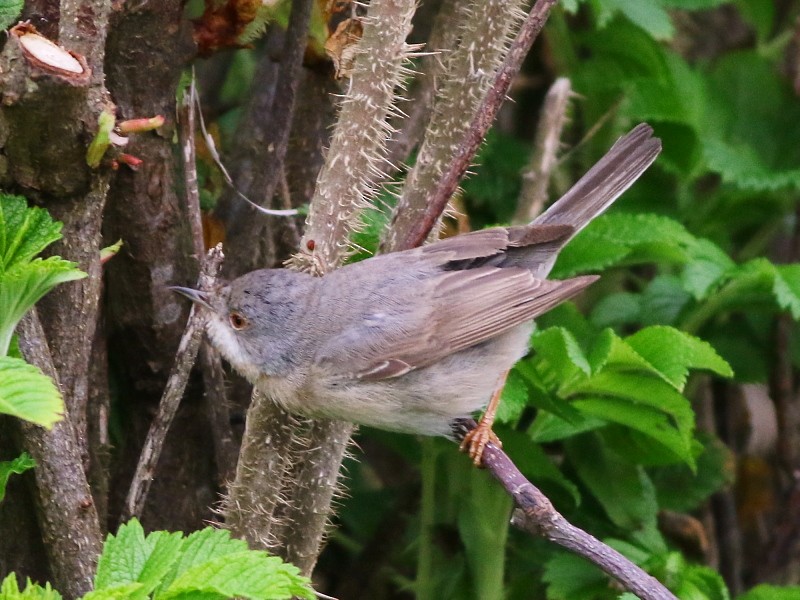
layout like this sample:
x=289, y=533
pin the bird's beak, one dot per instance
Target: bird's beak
x=193, y=295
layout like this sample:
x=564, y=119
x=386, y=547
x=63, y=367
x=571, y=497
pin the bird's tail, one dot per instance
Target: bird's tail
x=605, y=181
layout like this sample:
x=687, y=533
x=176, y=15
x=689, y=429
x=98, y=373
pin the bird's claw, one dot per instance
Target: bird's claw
x=475, y=442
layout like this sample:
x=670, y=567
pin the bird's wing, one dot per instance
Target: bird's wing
x=448, y=312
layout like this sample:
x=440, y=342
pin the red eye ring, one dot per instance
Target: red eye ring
x=238, y=321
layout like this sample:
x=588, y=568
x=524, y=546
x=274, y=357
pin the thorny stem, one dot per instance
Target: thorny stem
x=355, y=159
x=485, y=28
x=438, y=197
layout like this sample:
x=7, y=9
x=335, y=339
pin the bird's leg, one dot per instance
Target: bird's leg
x=475, y=440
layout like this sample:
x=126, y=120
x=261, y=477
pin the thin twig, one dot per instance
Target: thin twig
x=212, y=150
x=438, y=197
x=537, y=515
x=173, y=392
x=226, y=451
x=211, y=363
x=536, y=178
x=186, y=135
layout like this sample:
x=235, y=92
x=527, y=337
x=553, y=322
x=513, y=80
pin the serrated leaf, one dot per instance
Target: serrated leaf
x=561, y=351
x=617, y=309
x=201, y=546
x=123, y=558
x=514, y=398
x=631, y=501
x=27, y=393
x=787, y=288
x=9, y=590
x=663, y=300
x=10, y=10
x=752, y=124
x=700, y=276
x=24, y=284
x=246, y=574
x=548, y=427
x=208, y=564
x=8, y=467
x=24, y=231
x=625, y=239
x=681, y=490
x=127, y=591
x=652, y=422
x=700, y=583
x=673, y=353
x=611, y=351
x=165, y=550
x=539, y=396
x=647, y=14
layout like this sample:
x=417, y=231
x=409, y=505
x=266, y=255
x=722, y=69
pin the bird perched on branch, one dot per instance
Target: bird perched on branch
x=413, y=341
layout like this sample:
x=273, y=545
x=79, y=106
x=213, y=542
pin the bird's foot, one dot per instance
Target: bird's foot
x=475, y=441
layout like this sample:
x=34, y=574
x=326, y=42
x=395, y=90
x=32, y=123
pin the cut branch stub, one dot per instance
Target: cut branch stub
x=45, y=90
x=45, y=58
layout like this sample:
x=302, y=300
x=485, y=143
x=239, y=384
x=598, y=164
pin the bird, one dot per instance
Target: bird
x=414, y=341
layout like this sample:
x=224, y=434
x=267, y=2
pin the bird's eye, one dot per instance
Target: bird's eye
x=238, y=321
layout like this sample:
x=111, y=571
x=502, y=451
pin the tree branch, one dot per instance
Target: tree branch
x=536, y=515
x=67, y=515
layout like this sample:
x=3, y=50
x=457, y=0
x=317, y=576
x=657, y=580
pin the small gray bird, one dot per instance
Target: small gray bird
x=413, y=341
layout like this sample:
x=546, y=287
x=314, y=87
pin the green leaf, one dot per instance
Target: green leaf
x=248, y=574
x=652, y=422
x=771, y=592
x=570, y=577
x=27, y=393
x=752, y=125
x=617, y=309
x=23, y=285
x=663, y=300
x=622, y=487
x=24, y=231
x=787, y=288
x=9, y=590
x=123, y=558
x=514, y=398
x=647, y=14
x=10, y=10
x=673, y=353
x=207, y=564
x=201, y=546
x=19, y=465
x=681, y=490
x=561, y=351
x=102, y=139
x=626, y=239
x=125, y=591
x=549, y=427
